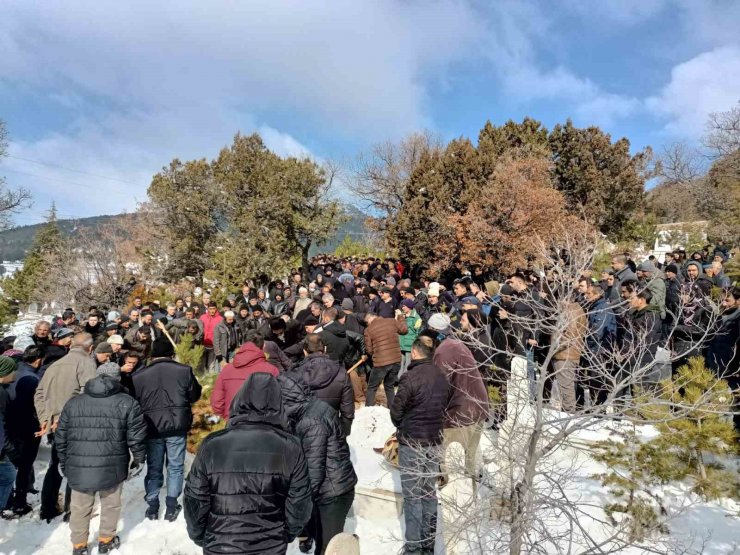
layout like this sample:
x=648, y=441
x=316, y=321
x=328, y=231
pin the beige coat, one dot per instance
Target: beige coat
x=63, y=380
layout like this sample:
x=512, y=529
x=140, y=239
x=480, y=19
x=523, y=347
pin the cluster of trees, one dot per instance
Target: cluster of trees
x=246, y=213
x=493, y=201
x=703, y=184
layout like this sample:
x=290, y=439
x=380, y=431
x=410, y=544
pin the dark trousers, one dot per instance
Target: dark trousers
x=386, y=375
x=328, y=519
x=28, y=448
x=52, y=484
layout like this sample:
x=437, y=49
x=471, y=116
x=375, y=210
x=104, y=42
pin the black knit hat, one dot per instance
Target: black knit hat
x=161, y=347
x=672, y=268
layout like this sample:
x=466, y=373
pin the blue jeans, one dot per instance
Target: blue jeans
x=173, y=448
x=7, y=480
x=419, y=468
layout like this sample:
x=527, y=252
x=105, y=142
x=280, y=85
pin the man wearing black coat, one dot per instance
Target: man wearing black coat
x=417, y=412
x=165, y=389
x=327, y=379
x=333, y=335
x=96, y=431
x=248, y=490
x=330, y=469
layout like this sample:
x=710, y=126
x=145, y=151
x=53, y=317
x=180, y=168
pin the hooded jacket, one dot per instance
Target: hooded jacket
x=96, y=431
x=248, y=489
x=249, y=360
x=165, y=390
x=329, y=382
x=317, y=426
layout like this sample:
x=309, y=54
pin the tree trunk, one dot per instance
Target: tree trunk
x=304, y=258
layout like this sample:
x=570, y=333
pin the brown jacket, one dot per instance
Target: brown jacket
x=571, y=342
x=381, y=340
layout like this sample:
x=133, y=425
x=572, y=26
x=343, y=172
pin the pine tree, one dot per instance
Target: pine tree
x=187, y=353
x=25, y=283
x=691, y=414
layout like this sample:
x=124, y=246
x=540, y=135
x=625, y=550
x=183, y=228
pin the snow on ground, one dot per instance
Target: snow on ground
x=143, y=537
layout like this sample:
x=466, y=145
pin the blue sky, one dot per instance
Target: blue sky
x=115, y=90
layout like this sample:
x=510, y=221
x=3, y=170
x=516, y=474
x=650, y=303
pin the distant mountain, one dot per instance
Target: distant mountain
x=15, y=242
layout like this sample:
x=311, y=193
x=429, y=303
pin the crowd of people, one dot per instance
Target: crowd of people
x=295, y=358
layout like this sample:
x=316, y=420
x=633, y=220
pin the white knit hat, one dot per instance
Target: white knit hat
x=439, y=322
x=433, y=289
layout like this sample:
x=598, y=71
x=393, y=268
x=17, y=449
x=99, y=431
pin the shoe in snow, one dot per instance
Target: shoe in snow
x=171, y=513
x=108, y=546
x=21, y=508
x=305, y=545
x=152, y=512
x=80, y=550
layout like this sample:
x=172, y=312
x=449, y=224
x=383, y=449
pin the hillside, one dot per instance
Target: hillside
x=16, y=241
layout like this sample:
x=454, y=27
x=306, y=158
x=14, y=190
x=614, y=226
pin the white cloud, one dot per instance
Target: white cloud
x=709, y=82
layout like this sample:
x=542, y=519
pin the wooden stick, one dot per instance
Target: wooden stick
x=161, y=326
x=363, y=358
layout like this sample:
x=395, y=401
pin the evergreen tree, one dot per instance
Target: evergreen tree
x=186, y=352
x=23, y=286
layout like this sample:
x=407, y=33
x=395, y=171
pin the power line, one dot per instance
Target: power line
x=57, y=180
x=40, y=163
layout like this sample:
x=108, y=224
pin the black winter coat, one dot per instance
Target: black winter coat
x=419, y=405
x=317, y=426
x=334, y=337
x=329, y=382
x=96, y=431
x=723, y=351
x=166, y=389
x=248, y=490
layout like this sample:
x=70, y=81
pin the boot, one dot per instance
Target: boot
x=80, y=549
x=173, y=509
x=106, y=545
x=21, y=507
x=152, y=512
x=305, y=544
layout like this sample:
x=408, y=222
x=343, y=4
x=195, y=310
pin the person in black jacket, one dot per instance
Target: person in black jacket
x=96, y=431
x=165, y=389
x=327, y=379
x=333, y=335
x=25, y=424
x=417, y=412
x=8, y=452
x=330, y=469
x=248, y=490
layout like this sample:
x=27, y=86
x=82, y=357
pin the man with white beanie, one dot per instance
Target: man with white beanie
x=468, y=407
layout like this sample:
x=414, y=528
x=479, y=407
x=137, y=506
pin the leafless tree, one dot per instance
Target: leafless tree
x=12, y=201
x=723, y=132
x=679, y=164
x=527, y=500
x=380, y=176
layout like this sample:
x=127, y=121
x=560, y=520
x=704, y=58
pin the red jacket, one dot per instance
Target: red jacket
x=249, y=360
x=209, y=324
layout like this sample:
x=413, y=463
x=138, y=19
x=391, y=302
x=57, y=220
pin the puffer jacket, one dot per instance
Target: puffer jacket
x=248, y=490
x=329, y=382
x=419, y=405
x=96, y=431
x=468, y=402
x=317, y=426
x=381, y=340
x=249, y=360
x=165, y=390
x=226, y=338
